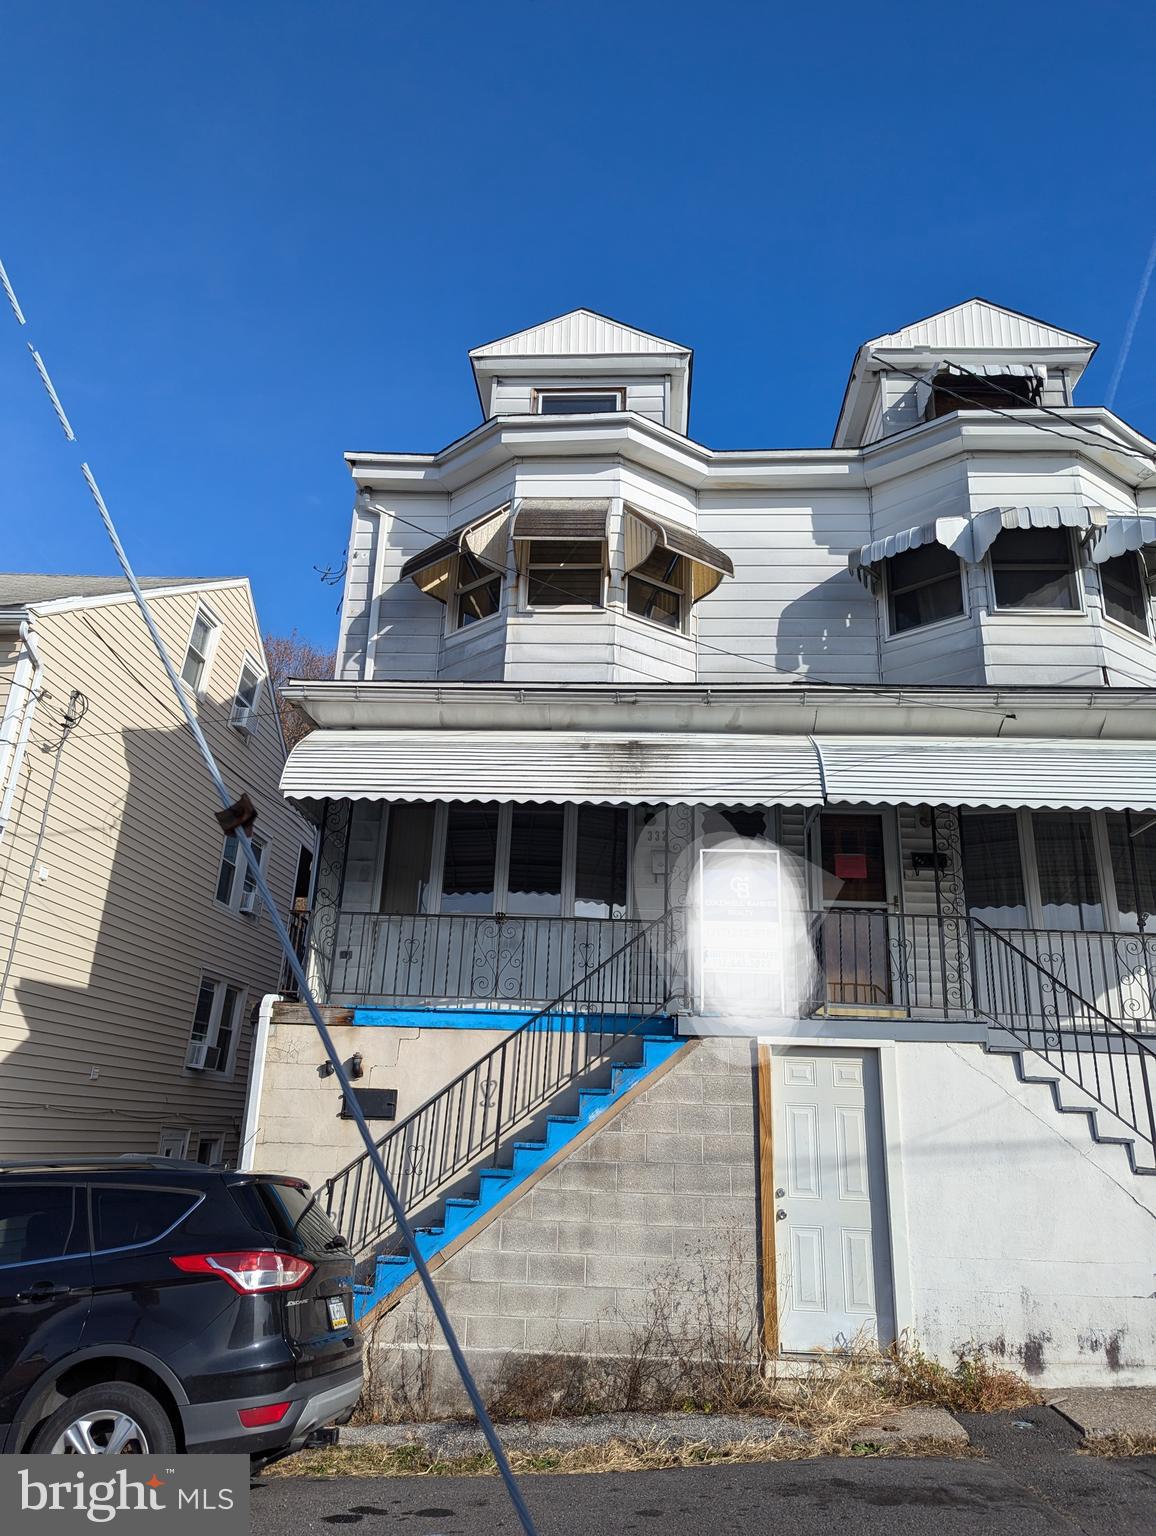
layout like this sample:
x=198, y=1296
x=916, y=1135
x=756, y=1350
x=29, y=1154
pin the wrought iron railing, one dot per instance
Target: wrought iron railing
x=476, y=1114
x=472, y=959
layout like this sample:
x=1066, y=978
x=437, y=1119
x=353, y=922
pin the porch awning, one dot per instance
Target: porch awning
x=485, y=538
x=644, y=533
x=1126, y=533
x=610, y=769
x=970, y=537
x=1081, y=775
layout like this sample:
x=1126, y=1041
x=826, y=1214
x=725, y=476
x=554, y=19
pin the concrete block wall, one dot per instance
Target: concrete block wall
x=662, y=1197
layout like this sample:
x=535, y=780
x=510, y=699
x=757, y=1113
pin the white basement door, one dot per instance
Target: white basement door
x=832, y=1242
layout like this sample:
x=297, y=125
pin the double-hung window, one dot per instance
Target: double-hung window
x=923, y=586
x=565, y=573
x=1034, y=568
x=236, y=887
x=655, y=589
x=195, y=667
x=1124, y=591
x=216, y=1027
x=477, y=591
x=247, y=699
x=1031, y=869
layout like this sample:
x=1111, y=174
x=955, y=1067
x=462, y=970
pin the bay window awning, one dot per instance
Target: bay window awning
x=486, y=538
x=561, y=517
x=721, y=768
x=1126, y=533
x=970, y=537
x=602, y=769
x=644, y=533
x=1004, y=772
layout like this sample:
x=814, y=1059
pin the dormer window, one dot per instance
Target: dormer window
x=579, y=402
x=993, y=391
x=477, y=591
x=655, y=589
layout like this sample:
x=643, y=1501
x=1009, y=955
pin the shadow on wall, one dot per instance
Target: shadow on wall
x=106, y=977
x=830, y=632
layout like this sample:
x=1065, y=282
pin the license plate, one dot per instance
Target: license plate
x=338, y=1317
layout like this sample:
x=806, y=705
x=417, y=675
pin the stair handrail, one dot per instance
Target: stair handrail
x=501, y=1052
x=1048, y=1050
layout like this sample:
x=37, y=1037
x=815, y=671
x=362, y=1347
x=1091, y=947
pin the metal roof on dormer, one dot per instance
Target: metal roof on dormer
x=979, y=324
x=582, y=332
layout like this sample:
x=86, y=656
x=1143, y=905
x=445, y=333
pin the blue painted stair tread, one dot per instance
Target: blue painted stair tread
x=460, y=1213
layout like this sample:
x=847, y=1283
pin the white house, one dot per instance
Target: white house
x=748, y=839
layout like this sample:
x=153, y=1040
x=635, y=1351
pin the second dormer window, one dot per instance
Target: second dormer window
x=565, y=573
x=579, y=402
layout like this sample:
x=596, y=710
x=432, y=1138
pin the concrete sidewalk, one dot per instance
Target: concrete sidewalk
x=1099, y=1412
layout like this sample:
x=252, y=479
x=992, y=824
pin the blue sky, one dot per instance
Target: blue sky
x=250, y=236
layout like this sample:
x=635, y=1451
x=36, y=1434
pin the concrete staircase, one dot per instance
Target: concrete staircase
x=453, y=1217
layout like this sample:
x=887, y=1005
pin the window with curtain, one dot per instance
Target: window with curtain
x=1125, y=592
x=1132, y=842
x=601, y=860
x=992, y=868
x=923, y=586
x=470, y=859
x=1034, y=568
x=1066, y=867
x=534, y=883
x=405, y=872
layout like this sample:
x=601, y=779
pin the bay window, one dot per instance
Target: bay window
x=1124, y=591
x=654, y=589
x=923, y=586
x=565, y=573
x=1034, y=568
x=477, y=591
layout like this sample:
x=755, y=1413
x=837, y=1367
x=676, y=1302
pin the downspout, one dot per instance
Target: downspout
x=15, y=744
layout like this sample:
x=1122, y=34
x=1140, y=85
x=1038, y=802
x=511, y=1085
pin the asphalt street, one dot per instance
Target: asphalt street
x=1031, y=1482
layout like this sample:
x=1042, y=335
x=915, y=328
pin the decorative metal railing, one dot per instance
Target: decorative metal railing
x=476, y=1114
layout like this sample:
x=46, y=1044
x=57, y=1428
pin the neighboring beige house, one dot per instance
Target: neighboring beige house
x=133, y=953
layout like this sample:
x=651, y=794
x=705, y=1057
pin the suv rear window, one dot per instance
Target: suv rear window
x=128, y=1217
x=288, y=1211
x=40, y=1221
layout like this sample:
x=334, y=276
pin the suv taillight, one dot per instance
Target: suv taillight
x=258, y=1269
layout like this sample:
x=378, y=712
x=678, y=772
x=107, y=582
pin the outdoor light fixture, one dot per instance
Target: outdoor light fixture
x=357, y=1065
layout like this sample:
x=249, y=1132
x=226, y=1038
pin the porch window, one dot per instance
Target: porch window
x=405, y=873
x=654, y=590
x=565, y=573
x=1034, y=568
x=1132, y=843
x=1125, y=592
x=993, y=870
x=471, y=858
x=1066, y=864
x=534, y=882
x=601, y=860
x=923, y=586
x=477, y=591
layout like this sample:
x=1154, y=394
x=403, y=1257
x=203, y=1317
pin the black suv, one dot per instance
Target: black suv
x=151, y=1305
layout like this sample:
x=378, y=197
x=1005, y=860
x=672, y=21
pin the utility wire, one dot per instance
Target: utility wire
x=305, y=992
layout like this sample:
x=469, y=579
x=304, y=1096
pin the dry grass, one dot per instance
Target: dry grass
x=1119, y=1445
x=975, y=1384
x=626, y=1455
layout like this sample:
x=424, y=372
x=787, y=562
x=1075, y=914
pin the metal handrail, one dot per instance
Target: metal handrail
x=471, y=1115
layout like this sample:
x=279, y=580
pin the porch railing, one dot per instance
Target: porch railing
x=475, y=1114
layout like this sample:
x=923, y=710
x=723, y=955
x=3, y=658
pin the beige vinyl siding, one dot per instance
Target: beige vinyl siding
x=121, y=921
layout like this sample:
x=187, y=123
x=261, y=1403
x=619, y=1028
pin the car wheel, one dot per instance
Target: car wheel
x=111, y=1419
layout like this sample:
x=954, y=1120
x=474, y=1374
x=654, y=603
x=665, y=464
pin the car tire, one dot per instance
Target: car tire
x=113, y=1417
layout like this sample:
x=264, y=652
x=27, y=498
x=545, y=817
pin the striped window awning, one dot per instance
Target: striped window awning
x=643, y=533
x=561, y=517
x=969, y=537
x=486, y=538
x=718, y=768
x=1125, y=533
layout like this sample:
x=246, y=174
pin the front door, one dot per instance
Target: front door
x=832, y=1238
x=858, y=897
